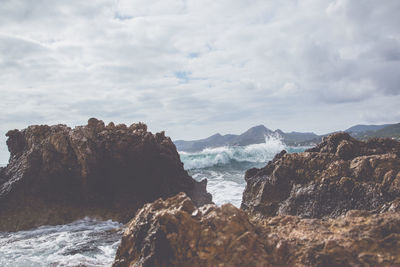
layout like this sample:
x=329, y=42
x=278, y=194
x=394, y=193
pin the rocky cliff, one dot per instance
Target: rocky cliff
x=57, y=174
x=338, y=175
x=176, y=233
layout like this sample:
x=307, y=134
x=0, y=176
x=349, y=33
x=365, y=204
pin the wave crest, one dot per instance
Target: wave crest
x=257, y=153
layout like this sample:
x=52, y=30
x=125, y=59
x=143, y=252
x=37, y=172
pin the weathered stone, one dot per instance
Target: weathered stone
x=57, y=174
x=176, y=233
x=338, y=175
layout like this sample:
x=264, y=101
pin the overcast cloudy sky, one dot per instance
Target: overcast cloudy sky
x=196, y=67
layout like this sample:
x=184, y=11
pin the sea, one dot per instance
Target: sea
x=90, y=242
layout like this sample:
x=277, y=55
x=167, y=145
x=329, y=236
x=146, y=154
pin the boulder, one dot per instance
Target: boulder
x=57, y=174
x=176, y=233
x=336, y=176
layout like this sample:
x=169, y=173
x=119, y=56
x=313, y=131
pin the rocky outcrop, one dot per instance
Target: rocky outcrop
x=176, y=233
x=338, y=175
x=57, y=174
x=348, y=191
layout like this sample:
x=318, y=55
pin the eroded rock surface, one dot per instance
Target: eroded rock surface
x=57, y=174
x=338, y=175
x=176, y=233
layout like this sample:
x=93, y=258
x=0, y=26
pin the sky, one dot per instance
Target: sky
x=197, y=67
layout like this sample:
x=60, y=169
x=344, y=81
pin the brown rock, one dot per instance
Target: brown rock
x=176, y=233
x=57, y=174
x=338, y=175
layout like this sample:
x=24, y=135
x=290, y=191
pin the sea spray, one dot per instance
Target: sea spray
x=82, y=243
x=224, y=167
x=255, y=153
x=225, y=186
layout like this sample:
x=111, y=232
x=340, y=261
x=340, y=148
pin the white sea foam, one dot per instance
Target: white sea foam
x=224, y=155
x=81, y=243
x=225, y=186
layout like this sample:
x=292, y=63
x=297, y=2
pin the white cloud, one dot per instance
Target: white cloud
x=197, y=67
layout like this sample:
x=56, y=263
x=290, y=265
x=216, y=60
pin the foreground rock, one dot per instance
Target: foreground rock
x=57, y=174
x=176, y=233
x=338, y=175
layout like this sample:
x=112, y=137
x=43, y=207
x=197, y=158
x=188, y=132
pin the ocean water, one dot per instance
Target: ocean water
x=94, y=243
x=224, y=167
x=81, y=243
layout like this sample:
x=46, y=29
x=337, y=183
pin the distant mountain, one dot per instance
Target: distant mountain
x=365, y=128
x=392, y=131
x=369, y=131
x=215, y=140
x=297, y=138
x=254, y=135
x=257, y=134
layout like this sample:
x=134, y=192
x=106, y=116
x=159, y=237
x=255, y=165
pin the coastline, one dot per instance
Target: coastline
x=313, y=208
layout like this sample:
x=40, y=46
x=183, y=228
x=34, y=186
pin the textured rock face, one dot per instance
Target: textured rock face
x=355, y=239
x=176, y=233
x=57, y=174
x=338, y=175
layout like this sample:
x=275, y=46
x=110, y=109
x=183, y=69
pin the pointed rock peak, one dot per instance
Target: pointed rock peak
x=214, y=136
x=258, y=128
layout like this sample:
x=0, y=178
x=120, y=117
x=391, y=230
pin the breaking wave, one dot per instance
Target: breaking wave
x=256, y=153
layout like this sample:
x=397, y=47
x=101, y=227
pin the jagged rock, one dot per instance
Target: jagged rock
x=358, y=238
x=57, y=174
x=176, y=233
x=338, y=175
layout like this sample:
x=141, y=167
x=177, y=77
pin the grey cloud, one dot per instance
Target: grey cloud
x=389, y=49
x=105, y=109
x=196, y=67
x=17, y=48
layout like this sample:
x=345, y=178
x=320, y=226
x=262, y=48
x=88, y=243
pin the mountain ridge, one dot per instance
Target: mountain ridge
x=257, y=134
x=359, y=128
x=254, y=135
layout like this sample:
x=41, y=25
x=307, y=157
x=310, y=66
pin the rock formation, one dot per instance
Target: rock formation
x=176, y=233
x=338, y=175
x=353, y=186
x=57, y=174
